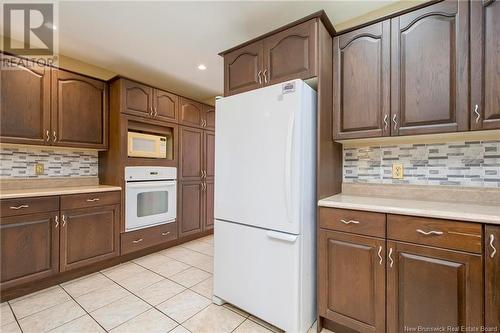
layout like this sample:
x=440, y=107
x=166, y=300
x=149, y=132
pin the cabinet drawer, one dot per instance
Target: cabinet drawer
x=143, y=238
x=354, y=221
x=21, y=206
x=85, y=200
x=435, y=232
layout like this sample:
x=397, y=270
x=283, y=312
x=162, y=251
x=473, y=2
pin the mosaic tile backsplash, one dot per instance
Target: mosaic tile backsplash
x=474, y=163
x=20, y=162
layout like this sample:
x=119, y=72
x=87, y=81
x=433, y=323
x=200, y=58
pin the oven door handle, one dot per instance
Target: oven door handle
x=150, y=184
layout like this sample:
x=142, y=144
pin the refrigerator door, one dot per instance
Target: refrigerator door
x=257, y=270
x=257, y=155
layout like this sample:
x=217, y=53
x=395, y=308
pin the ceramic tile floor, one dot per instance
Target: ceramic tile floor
x=168, y=291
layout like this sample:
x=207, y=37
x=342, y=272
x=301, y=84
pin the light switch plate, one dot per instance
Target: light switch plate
x=39, y=168
x=397, y=171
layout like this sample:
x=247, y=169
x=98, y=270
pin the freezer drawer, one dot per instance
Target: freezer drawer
x=258, y=271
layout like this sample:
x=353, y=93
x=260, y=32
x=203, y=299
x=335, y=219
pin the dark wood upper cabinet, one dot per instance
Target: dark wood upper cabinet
x=243, y=69
x=137, y=99
x=209, y=152
x=190, y=112
x=191, y=207
x=89, y=235
x=492, y=275
x=361, y=74
x=431, y=287
x=191, y=153
x=209, y=205
x=291, y=54
x=29, y=248
x=25, y=103
x=165, y=106
x=209, y=112
x=79, y=111
x=485, y=64
x=430, y=69
x=351, y=280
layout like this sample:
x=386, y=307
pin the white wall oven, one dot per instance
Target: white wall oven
x=150, y=196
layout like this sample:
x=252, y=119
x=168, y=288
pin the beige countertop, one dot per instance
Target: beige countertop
x=40, y=192
x=489, y=213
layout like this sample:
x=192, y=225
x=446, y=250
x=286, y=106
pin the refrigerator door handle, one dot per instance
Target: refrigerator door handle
x=288, y=168
x=282, y=236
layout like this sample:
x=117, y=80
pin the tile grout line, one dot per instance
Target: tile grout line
x=74, y=299
x=15, y=317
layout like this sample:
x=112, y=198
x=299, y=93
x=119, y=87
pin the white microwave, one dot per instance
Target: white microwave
x=146, y=145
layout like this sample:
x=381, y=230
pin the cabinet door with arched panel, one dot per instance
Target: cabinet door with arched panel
x=79, y=111
x=361, y=90
x=25, y=102
x=485, y=64
x=291, y=54
x=165, y=106
x=190, y=113
x=137, y=99
x=243, y=69
x=430, y=73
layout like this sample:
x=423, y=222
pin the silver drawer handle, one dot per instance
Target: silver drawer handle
x=379, y=254
x=492, y=239
x=19, y=207
x=137, y=241
x=395, y=121
x=55, y=136
x=386, y=124
x=165, y=233
x=390, y=257
x=64, y=220
x=349, y=222
x=92, y=199
x=427, y=233
x=57, y=221
x=265, y=77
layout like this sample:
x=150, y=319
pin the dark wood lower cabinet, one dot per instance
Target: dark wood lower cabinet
x=431, y=288
x=492, y=276
x=89, y=235
x=209, y=205
x=29, y=248
x=190, y=213
x=351, y=280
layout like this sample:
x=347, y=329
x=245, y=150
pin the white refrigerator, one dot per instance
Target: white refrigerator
x=265, y=162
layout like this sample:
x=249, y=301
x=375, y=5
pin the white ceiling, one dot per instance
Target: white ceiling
x=163, y=42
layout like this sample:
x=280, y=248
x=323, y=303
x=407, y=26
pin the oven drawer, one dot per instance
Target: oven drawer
x=21, y=206
x=354, y=221
x=454, y=235
x=143, y=238
x=94, y=199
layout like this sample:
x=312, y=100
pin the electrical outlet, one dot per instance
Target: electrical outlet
x=397, y=171
x=39, y=168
